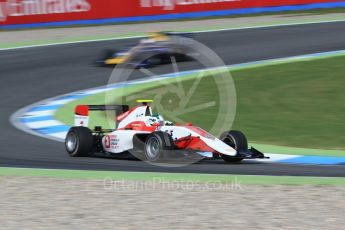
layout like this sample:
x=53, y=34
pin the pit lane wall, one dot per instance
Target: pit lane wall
x=35, y=13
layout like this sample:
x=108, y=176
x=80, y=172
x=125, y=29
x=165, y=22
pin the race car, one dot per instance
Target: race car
x=157, y=49
x=149, y=137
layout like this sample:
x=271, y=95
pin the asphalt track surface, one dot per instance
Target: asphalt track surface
x=33, y=74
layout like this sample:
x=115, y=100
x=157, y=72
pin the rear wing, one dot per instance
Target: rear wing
x=81, y=113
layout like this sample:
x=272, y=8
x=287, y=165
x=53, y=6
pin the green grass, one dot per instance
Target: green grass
x=299, y=104
x=68, y=40
x=126, y=95
x=172, y=177
x=298, y=151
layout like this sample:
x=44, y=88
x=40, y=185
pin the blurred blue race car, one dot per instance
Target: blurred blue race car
x=158, y=48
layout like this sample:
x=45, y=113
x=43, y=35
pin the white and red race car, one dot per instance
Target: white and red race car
x=148, y=136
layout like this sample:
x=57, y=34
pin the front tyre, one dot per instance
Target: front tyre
x=156, y=144
x=238, y=141
x=79, y=141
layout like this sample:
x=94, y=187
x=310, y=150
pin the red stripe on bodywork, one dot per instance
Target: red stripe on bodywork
x=125, y=114
x=201, y=132
x=140, y=126
x=193, y=143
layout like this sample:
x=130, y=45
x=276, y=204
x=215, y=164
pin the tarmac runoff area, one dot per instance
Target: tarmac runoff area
x=52, y=203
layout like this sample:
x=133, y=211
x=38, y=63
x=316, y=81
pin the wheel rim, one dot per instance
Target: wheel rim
x=152, y=148
x=71, y=142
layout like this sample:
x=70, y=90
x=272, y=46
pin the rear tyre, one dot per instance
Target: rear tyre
x=79, y=141
x=156, y=146
x=236, y=140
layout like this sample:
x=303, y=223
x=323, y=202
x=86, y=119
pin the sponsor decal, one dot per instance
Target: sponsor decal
x=3, y=15
x=107, y=142
x=111, y=141
x=14, y=12
x=17, y=8
x=171, y=4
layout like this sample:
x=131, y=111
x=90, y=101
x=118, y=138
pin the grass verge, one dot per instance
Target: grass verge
x=172, y=177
